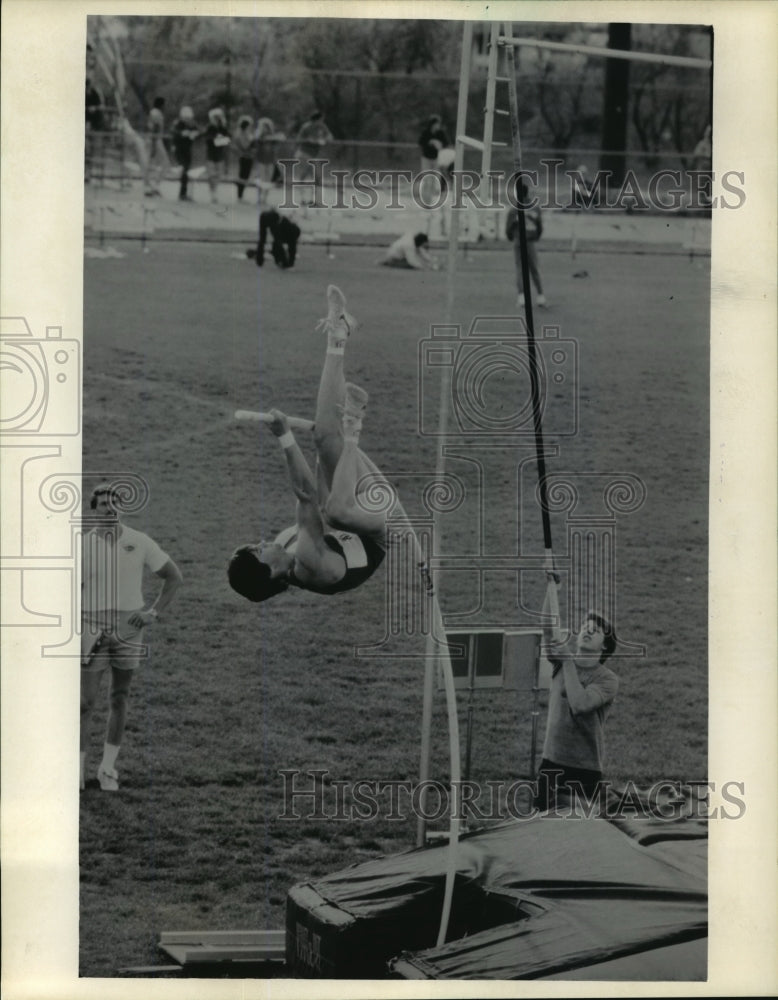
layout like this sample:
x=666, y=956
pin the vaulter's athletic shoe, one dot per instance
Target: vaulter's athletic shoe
x=338, y=319
x=109, y=780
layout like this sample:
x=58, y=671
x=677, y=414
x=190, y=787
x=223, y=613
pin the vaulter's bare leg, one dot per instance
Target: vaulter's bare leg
x=328, y=433
x=344, y=509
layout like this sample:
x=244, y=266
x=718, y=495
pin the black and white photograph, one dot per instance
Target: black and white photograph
x=388, y=445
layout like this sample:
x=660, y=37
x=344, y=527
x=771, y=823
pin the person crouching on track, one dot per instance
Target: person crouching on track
x=336, y=543
x=285, y=234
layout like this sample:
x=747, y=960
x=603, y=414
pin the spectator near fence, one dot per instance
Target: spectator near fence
x=157, y=162
x=312, y=139
x=217, y=139
x=185, y=131
x=266, y=139
x=432, y=140
x=243, y=143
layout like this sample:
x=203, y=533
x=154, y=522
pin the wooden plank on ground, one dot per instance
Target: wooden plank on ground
x=147, y=971
x=188, y=947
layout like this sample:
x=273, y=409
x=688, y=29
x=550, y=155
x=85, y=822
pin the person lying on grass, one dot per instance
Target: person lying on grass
x=337, y=542
x=410, y=251
x=582, y=692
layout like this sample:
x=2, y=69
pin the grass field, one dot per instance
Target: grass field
x=178, y=338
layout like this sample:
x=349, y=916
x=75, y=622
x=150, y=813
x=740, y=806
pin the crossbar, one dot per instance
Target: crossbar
x=606, y=53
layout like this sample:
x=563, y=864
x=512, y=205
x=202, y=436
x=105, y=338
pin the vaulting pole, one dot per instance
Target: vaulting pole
x=535, y=387
x=437, y=629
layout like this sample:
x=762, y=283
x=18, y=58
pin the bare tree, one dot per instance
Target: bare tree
x=670, y=105
x=562, y=103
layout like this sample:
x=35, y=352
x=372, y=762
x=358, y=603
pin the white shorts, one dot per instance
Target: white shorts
x=108, y=640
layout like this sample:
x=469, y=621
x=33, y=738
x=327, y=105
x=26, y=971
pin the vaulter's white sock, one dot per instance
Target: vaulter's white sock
x=110, y=753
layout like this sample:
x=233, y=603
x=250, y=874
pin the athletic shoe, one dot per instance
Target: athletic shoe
x=338, y=320
x=520, y=301
x=109, y=780
x=542, y=302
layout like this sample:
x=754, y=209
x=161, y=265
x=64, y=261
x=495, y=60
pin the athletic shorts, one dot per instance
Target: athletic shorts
x=555, y=780
x=108, y=640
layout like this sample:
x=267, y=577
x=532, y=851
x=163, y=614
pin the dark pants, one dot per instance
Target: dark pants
x=534, y=269
x=284, y=254
x=560, y=783
x=245, y=163
x=186, y=163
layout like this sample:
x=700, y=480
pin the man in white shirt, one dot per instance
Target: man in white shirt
x=113, y=618
x=158, y=162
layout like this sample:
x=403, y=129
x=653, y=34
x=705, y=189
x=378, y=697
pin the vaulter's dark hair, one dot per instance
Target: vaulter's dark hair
x=420, y=239
x=250, y=577
x=99, y=491
x=609, y=635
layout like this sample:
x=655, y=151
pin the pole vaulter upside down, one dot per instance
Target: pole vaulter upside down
x=340, y=536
